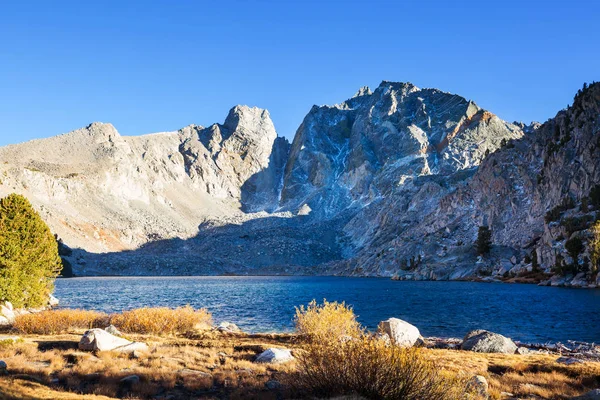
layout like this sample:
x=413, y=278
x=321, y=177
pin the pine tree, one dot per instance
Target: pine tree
x=484, y=240
x=29, y=260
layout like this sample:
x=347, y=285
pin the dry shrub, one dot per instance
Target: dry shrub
x=370, y=368
x=59, y=321
x=319, y=323
x=161, y=320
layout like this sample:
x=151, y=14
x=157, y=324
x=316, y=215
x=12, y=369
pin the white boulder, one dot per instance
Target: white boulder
x=53, y=301
x=100, y=340
x=7, y=312
x=400, y=332
x=274, y=356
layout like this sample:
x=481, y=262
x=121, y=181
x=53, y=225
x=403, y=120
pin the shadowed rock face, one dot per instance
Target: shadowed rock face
x=387, y=176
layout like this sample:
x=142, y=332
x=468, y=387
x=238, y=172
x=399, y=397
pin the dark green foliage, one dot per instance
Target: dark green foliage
x=574, y=246
x=29, y=259
x=574, y=224
x=484, y=240
x=595, y=197
x=554, y=214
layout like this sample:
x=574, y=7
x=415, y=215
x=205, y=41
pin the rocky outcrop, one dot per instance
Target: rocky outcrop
x=488, y=342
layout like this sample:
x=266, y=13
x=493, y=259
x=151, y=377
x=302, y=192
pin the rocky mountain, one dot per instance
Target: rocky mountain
x=392, y=182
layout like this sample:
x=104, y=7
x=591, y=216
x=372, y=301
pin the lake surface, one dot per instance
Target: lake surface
x=266, y=304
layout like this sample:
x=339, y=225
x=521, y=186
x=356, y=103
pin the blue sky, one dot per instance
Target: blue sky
x=153, y=66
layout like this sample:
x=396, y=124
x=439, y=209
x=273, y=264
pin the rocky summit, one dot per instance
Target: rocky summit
x=391, y=182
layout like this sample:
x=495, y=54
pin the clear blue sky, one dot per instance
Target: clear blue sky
x=152, y=66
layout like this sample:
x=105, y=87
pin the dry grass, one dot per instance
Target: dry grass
x=524, y=376
x=327, y=321
x=176, y=366
x=179, y=367
x=59, y=321
x=160, y=321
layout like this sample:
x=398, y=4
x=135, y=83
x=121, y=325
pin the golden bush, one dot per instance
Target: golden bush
x=59, y=321
x=161, y=320
x=369, y=368
x=327, y=321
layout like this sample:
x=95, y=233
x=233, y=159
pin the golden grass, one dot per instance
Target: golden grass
x=327, y=321
x=162, y=320
x=524, y=376
x=172, y=364
x=159, y=321
x=59, y=321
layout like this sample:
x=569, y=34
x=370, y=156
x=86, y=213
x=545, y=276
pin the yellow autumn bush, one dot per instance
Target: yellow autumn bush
x=327, y=321
x=161, y=320
x=59, y=321
x=373, y=369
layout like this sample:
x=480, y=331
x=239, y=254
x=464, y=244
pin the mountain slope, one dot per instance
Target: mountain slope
x=392, y=182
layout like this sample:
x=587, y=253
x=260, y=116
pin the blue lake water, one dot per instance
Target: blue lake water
x=266, y=304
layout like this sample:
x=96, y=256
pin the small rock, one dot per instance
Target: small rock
x=7, y=313
x=275, y=356
x=569, y=360
x=228, y=327
x=482, y=341
x=591, y=395
x=478, y=385
x=130, y=380
x=53, y=301
x=3, y=367
x=273, y=384
x=400, y=332
x=523, y=351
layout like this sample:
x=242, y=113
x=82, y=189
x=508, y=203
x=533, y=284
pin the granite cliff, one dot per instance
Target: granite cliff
x=392, y=182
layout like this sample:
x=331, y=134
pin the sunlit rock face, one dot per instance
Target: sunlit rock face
x=392, y=182
x=360, y=150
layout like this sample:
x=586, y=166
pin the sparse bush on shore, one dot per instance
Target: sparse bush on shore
x=339, y=357
x=157, y=321
x=372, y=369
x=329, y=321
x=59, y=321
x=161, y=320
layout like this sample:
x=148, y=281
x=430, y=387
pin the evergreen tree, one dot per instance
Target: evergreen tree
x=594, y=248
x=29, y=260
x=484, y=240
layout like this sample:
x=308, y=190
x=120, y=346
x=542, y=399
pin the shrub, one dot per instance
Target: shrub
x=59, y=321
x=574, y=246
x=368, y=367
x=554, y=214
x=574, y=224
x=325, y=322
x=29, y=260
x=595, y=196
x=484, y=240
x=594, y=248
x=161, y=320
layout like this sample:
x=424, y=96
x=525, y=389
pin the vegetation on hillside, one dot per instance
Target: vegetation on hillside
x=29, y=260
x=484, y=240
